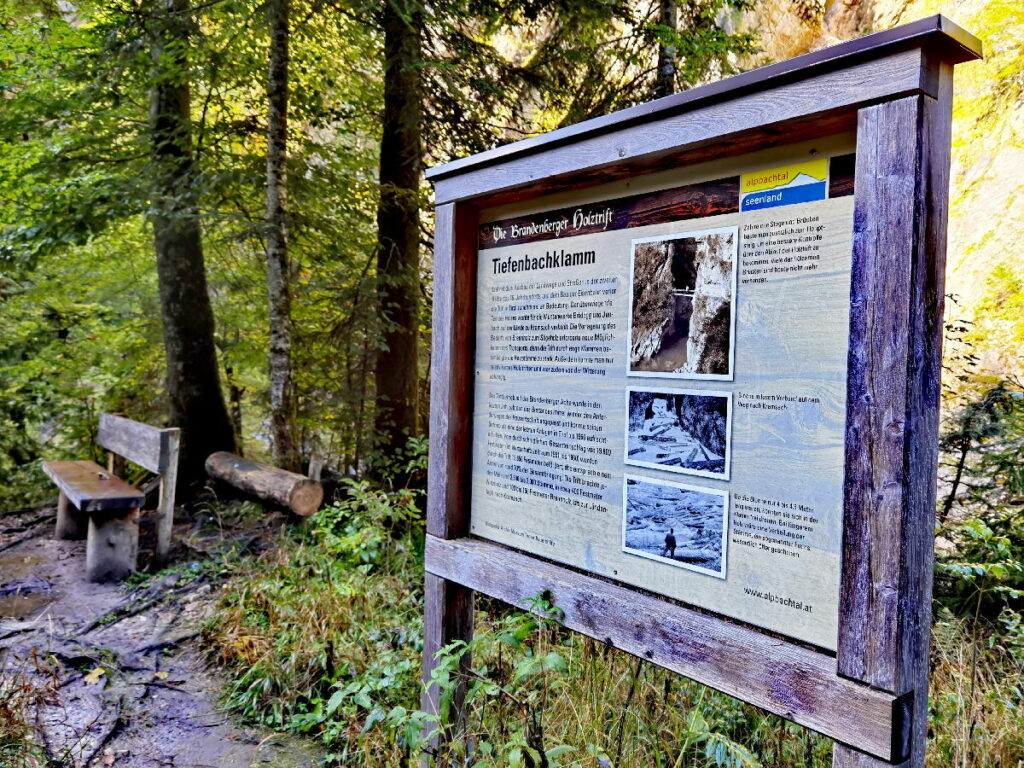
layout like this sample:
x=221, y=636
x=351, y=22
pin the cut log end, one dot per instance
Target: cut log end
x=306, y=498
x=267, y=483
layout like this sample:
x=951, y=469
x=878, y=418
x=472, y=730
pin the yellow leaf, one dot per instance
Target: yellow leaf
x=161, y=675
x=94, y=676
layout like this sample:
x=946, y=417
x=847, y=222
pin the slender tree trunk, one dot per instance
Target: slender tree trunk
x=282, y=396
x=193, y=386
x=235, y=394
x=398, y=214
x=665, y=81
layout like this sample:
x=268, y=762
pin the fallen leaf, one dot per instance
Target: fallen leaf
x=161, y=675
x=95, y=676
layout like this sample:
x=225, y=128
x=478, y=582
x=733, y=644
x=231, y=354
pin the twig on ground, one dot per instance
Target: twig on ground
x=115, y=728
x=158, y=684
x=47, y=518
x=120, y=614
x=31, y=534
x=165, y=643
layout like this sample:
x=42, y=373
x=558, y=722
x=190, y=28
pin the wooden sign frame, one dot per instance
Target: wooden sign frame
x=894, y=89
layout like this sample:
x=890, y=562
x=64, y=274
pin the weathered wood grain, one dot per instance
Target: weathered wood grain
x=448, y=616
x=841, y=175
x=448, y=606
x=288, y=489
x=780, y=676
x=137, y=442
x=90, y=487
x=890, y=76
x=954, y=43
x=893, y=403
x=773, y=135
x=451, y=368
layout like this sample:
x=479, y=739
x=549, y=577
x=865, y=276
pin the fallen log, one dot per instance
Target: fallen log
x=288, y=489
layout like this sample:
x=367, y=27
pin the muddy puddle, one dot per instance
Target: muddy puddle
x=23, y=593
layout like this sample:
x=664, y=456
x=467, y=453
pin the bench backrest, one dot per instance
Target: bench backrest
x=147, y=446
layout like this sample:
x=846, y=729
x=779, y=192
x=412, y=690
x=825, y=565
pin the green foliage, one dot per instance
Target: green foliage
x=975, y=712
x=324, y=637
x=76, y=169
x=982, y=514
x=358, y=530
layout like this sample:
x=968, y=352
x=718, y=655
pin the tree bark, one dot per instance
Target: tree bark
x=235, y=395
x=288, y=489
x=196, y=403
x=282, y=396
x=398, y=226
x=665, y=80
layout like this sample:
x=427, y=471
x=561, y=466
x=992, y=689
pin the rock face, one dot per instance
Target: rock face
x=702, y=418
x=652, y=299
x=682, y=296
x=678, y=430
x=707, y=347
x=639, y=403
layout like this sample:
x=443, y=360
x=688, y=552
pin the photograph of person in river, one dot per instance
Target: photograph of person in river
x=677, y=524
x=685, y=431
x=681, y=305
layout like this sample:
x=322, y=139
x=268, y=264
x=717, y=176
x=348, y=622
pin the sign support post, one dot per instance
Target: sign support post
x=899, y=258
x=868, y=688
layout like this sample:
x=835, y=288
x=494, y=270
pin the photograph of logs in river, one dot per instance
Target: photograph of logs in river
x=680, y=431
x=681, y=319
x=676, y=524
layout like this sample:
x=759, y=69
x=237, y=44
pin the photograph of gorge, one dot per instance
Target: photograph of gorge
x=676, y=524
x=680, y=431
x=681, y=305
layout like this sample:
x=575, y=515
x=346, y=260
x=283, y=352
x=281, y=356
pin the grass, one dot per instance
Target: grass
x=18, y=698
x=977, y=696
x=323, y=635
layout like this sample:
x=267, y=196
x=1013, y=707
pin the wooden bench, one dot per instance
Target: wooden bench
x=96, y=504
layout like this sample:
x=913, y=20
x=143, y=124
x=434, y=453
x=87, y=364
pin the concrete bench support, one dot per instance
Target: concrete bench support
x=113, y=544
x=71, y=524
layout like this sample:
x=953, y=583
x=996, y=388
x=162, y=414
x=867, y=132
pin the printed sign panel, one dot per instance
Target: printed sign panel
x=788, y=185
x=661, y=389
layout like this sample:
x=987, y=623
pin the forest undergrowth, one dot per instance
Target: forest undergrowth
x=323, y=636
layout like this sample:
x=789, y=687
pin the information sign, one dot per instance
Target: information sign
x=660, y=394
x=685, y=383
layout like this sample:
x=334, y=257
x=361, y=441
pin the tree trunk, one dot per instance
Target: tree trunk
x=288, y=489
x=665, y=80
x=235, y=395
x=282, y=396
x=398, y=226
x=193, y=387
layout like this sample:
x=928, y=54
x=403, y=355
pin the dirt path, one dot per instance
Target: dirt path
x=131, y=692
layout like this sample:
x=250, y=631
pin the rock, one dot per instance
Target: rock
x=652, y=297
x=702, y=419
x=707, y=347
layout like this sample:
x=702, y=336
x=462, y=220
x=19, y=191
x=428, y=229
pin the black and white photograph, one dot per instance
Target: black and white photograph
x=681, y=305
x=676, y=524
x=683, y=431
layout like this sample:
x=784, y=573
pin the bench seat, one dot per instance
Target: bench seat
x=91, y=488
x=112, y=508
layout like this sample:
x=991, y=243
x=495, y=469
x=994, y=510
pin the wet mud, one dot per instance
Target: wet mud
x=134, y=692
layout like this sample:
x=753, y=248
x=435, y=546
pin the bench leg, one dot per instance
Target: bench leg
x=110, y=553
x=71, y=523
